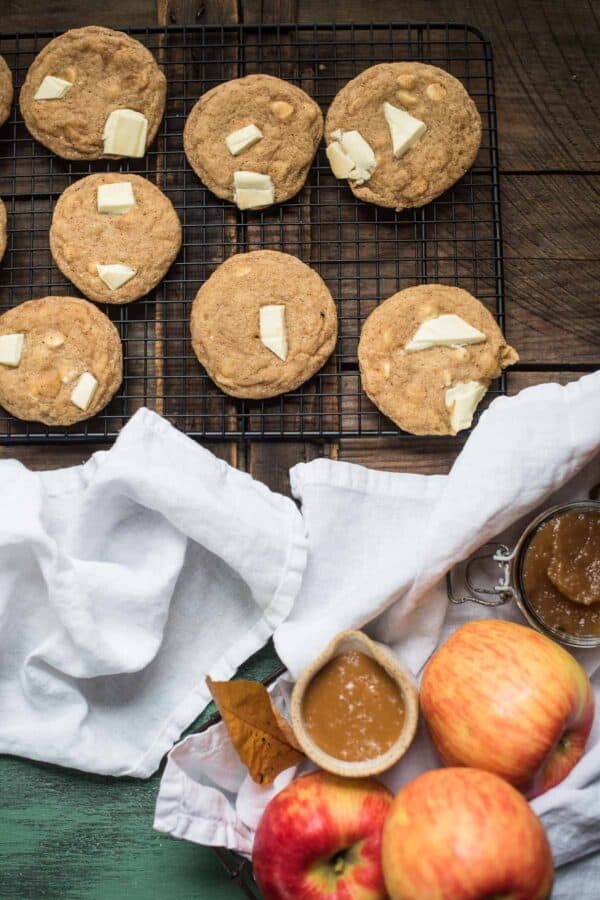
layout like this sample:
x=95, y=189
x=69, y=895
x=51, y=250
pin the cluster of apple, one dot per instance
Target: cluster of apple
x=509, y=712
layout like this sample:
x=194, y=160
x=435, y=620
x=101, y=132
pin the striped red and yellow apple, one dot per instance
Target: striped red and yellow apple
x=320, y=839
x=464, y=834
x=505, y=698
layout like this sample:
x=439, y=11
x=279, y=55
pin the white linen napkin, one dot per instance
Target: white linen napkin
x=123, y=582
x=379, y=544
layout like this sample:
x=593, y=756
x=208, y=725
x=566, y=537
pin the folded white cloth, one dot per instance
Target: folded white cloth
x=125, y=581
x=379, y=544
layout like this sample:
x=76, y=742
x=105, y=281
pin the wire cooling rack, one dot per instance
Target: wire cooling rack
x=364, y=253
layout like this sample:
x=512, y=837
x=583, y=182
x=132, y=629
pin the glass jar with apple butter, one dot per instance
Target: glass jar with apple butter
x=552, y=573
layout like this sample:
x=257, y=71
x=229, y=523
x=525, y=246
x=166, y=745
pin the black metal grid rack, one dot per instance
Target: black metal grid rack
x=364, y=253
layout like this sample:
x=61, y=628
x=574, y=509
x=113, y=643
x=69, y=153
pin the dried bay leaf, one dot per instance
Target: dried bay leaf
x=262, y=737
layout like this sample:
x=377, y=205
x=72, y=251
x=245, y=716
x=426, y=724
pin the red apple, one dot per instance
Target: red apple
x=502, y=697
x=464, y=834
x=321, y=838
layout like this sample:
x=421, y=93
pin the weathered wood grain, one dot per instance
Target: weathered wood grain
x=552, y=267
x=269, y=11
x=198, y=12
x=31, y=15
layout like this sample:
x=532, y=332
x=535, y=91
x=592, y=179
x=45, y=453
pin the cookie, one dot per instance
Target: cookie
x=410, y=387
x=3, y=234
x=437, y=159
x=226, y=323
x=290, y=122
x=146, y=238
x=6, y=90
x=65, y=337
x=108, y=70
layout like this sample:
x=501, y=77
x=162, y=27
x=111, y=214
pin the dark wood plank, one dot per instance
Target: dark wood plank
x=197, y=12
x=549, y=216
x=271, y=462
x=547, y=56
x=552, y=267
x=37, y=15
x=269, y=11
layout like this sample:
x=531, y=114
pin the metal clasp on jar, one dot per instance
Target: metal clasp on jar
x=502, y=592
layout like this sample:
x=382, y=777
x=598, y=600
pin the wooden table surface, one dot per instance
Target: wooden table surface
x=70, y=836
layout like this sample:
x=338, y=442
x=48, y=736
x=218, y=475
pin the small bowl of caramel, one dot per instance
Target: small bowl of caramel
x=552, y=573
x=355, y=708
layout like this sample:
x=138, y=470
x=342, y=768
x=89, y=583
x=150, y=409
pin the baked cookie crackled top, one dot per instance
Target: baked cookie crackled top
x=60, y=360
x=427, y=356
x=252, y=140
x=402, y=133
x=6, y=90
x=94, y=92
x=114, y=235
x=3, y=235
x=262, y=324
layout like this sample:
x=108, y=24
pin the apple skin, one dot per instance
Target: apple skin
x=505, y=698
x=464, y=834
x=301, y=838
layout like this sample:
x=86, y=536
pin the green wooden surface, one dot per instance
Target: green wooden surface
x=65, y=835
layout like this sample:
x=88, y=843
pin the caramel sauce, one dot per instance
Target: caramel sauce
x=352, y=708
x=561, y=572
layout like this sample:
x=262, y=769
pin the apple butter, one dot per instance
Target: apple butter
x=561, y=572
x=352, y=708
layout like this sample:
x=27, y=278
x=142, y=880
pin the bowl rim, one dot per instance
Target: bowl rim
x=400, y=674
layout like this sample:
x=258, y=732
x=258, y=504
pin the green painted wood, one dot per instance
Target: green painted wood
x=66, y=835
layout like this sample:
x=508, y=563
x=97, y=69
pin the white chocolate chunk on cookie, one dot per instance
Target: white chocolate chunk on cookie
x=125, y=133
x=273, y=331
x=11, y=349
x=83, y=392
x=52, y=88
x=448, y=330
x=252, y=190
x=115, y=275
x=116, y=198
x=405, y=130
x=461, y=400
x=341, y=164
x=243, y=138
x=353, y=146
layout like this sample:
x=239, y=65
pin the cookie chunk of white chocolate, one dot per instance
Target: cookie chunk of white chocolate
x=252, y=190
x=351, y=156
x=273, y=331
x=461, y=400
x=115, y=275
x=52, y=88
x=405, y=130
x=11, y=349
x=83, y=392
x=115, y=198
x=447, y=330
x=125, y=133
x=243, y=138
